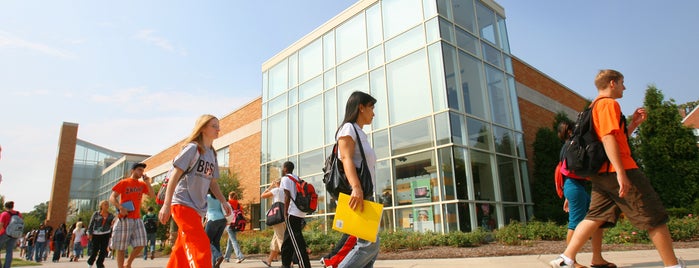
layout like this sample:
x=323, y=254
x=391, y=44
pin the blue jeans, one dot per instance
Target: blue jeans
x=150, y=245
x=39, y=248
x=363, y=254
x=214, y=230
x=578, y=201
x=30, y=253
x=232, y=241
x=7, y=243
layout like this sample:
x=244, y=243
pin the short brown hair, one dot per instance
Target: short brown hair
x=605, y=76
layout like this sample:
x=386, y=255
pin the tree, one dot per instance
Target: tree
x=668, y=151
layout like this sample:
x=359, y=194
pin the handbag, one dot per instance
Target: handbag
x=334, y=174
x=84, y=240
x=275, y=214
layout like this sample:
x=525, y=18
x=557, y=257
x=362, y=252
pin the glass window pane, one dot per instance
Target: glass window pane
x=310, y=88
x=317, y=181
x=437, y=77
x=310, y=163
x=377, y=81
x=373, y=23
x=504, y=41
x=429, y=8
x=329, y=79
x=376, y=58
x=464, y=14
x=446, y=173
x=427, y=219
x=293, y=130
x=446, y=29
x=432, y=30
x=508, y=64
x=293, y=70
x=406, y=83
x=278, y=79
x=499, y=97
x=504, y=142
x=523, y=171
x=277, y=136
x=508, y=182
x=487, y=216
x=467, y=42
x=264, y=155
x=458, y=128
x=350, y=38
x=460, y=171
x=450, y=67
x=405, y=43
x=351, y=69
x=411, y=136
x=381, y=144
x=265, y=86
x=345, y=90
x=273, y=171
x=329, y=50
x=478, y=134
x=383, y=183
x=414, y=184
x=441, y=125
x=444, y=8
x=293, y=96
x=471, y=85
x=277, y=104
x=461, y=215
x=519, y=143
x=486, y=23
x=512, y=213
x=400, y=15
x=492, y=55
x=330, y=114
x=515, y=105
x=310, y=61
x=482, y=171
x=310, y=128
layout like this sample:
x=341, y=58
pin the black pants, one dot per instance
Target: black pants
x=294, y=244
x=57, y=249
x=98, y=249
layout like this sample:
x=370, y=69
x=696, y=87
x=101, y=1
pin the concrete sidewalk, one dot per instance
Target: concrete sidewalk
x=639, y=258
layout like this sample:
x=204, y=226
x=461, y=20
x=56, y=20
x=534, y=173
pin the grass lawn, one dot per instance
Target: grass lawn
x=21, y=262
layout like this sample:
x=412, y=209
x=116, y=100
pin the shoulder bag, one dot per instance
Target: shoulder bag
x=334, y=174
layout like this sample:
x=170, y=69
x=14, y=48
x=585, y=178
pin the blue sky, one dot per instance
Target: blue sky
x=135, y=74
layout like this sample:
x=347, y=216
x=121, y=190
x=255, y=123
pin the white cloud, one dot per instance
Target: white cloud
x=148, y=36
x=9, y=40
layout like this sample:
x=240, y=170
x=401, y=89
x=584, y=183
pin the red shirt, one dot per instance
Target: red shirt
x=5, y=219
x=235, y=205
x=131, y=190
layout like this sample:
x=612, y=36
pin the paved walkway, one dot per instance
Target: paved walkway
x=639, y=258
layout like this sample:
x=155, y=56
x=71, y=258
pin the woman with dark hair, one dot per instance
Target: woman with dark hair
x=359, y=111
x=58, y=237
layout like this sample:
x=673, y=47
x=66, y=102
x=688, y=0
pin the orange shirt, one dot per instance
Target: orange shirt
x=234, y=204
x=606, y=116
x=131, y=190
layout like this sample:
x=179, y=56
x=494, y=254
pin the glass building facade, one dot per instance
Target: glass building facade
x=447, y=131
x=88, y=163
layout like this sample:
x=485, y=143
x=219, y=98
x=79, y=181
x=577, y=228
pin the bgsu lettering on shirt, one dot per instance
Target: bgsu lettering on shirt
x=129, y=190
x=205, y=168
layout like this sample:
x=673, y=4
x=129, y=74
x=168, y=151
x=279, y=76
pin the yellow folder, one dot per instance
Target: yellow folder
x=364, y=225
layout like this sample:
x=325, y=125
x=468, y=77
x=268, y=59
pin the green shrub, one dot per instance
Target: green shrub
x=461, y=239
x=684, y=229
x=625, y=233
x=549, y=231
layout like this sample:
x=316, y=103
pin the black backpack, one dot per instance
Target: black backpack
x=150, y=222
x=585, y=154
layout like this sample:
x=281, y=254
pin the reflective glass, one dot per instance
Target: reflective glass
x=519, y=145
x=515, y=105
x=273, y=171
x=508, y=64
x=277, y=104
x=278, y=79
x=264, y=156
x=293, y=130
x=504, y=40
x=446, y=173
x=400, y=15
x=472, y=93
x=450, y=215
x=460, y=173
x=265, y=87
x=482, y=171
x=487, y=216
x=381, y=144
x=412, y=136
x=508, y=181
x=486, y=23
x=512, y=213
x=406, y=83
x=329, y=79
x=426, y=217
x=405, y=43
x=458, y=128
x=446, y=29
x=317, y=181
x=444, y=8
x=330, y=114
x=310, y=163
x=376, y=58
x=311, y=88
x=478, y=134
x=523, y=171
x=329, y=50
x=310, y=128
x=352, y=68
x=467, y=42
x=377, y=81
x=437, y=77
x=277, y=136
x=432, y=30
x=504, y=141
x=464, y=14
x=387, y=220
x=384, y=190
x=429, y=7
x=492, y=55
x=293, y=96
x=464, y=217
x=345, y=90
x=450, y=67
x=350, y=38
x=264, y=110
x=414, y=179
x=441, y=125
x=310, y=61
x=373, y=23
x=293, y=70
x=499, y=97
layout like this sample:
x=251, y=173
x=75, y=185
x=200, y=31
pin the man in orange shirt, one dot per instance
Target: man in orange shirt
x=129, y=229
x=624, y=188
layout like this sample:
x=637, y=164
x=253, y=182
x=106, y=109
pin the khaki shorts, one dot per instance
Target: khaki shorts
x=641, y=205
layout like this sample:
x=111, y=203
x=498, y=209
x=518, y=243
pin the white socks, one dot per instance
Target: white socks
x=568, y=261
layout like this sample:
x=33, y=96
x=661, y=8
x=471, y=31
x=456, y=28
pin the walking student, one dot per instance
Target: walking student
x=624, y=188
x=185, y=198
x=150, y=222
x=99, y=231
x=128, y=229
x=277, y=195
x=232, y=244
x=59, y=236
x=7, y=241
x=294, y=243
x=215, y=224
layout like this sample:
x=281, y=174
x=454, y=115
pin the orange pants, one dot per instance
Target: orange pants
x=192, y=246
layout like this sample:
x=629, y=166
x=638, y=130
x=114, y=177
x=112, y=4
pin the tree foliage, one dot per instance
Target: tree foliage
x=668, y=151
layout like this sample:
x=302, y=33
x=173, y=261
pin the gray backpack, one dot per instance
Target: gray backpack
x=15, y=228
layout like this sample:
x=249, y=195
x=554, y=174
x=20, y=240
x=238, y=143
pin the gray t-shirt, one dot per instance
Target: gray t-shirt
x=192, y=187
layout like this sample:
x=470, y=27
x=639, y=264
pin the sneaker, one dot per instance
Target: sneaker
x=266, y=263
x=240, y=260
x=219, y=260
x=560, y=263
x=680, y=261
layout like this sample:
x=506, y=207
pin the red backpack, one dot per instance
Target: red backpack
x=306, y=198
x=238, y=223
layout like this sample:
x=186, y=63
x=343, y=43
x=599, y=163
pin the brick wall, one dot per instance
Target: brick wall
x=63, y=172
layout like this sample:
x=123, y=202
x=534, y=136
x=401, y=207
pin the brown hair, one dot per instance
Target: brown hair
x=196, y=136
x=564, y=130
x=605, y=76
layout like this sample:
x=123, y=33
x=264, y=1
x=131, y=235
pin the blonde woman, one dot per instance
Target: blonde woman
x=77, y=237
x=99, y=231
x=277, y=195
x=185, y=197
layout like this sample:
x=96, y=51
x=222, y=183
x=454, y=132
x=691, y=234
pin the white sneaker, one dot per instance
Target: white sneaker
x=680, y=261
x=559, y=263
